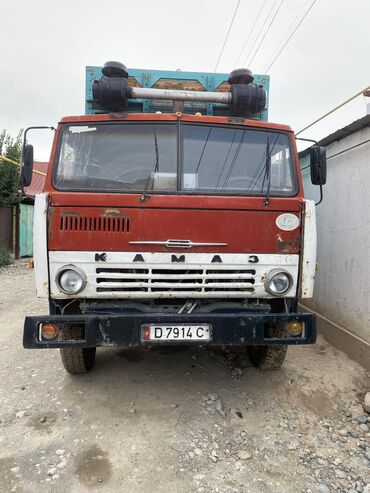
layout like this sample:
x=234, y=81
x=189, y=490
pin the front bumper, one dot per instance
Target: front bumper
x=122, y=330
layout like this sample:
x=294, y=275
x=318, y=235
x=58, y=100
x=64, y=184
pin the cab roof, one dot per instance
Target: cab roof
x=216, y=120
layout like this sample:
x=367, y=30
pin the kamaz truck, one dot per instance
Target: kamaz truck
x=173, y=214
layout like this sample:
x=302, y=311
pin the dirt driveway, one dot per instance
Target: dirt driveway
x=194, y=421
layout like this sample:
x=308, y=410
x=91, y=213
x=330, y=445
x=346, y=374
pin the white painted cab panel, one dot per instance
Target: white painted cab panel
x=40, y=253
x=309, y=250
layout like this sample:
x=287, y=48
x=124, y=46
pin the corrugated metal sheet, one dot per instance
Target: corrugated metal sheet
x=38, y=180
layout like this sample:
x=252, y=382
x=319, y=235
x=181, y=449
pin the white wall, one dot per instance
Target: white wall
x=342, y=287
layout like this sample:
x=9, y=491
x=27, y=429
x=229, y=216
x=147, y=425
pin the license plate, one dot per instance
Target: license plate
x=176, y=332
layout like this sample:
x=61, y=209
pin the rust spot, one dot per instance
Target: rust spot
x=223, y=87
x=113, y=213
x=287, y=246
x=46, y=287
x=132, y=82
x=70, y=214
x=50, y=215
x=236, y=119
x=118, y=116
x=181, y=85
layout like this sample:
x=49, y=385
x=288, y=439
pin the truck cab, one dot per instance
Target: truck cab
x=173, y=213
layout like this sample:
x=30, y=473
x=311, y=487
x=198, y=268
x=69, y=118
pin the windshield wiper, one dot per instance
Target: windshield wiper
x=267, y=173
x=156, y=167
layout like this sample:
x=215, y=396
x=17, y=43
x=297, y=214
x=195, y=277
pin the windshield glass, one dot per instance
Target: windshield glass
x=117, y=157
x=144, y=156
x=231, y=159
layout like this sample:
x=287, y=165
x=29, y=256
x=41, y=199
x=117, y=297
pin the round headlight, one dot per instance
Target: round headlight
x=278, y=282
x=70, y=279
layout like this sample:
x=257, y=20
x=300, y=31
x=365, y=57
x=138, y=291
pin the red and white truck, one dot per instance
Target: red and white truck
x=164, y=224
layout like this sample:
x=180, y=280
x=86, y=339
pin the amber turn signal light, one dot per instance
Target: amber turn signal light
x=295, y=328
x=49, y=331
x=146, y=332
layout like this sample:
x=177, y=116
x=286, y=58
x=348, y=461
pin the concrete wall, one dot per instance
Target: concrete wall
x=342, y=287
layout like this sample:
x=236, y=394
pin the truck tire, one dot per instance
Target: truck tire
x=76, y=360
x=268, y=358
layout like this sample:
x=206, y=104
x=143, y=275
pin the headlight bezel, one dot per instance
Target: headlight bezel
x=78, y=271
x=269, y=277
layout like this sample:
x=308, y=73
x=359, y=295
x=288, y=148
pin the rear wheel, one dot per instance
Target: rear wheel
x=76, y=360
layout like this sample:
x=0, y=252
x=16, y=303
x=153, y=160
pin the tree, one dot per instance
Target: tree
x=11, y=148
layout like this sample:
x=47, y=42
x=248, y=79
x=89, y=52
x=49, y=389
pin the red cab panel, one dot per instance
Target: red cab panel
x=113, y=229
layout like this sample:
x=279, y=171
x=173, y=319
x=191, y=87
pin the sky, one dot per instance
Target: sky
x=47, y=44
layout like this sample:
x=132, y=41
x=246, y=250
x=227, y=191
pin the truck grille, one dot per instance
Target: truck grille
x=76, y=222
x=155, y=275
x=171, y=282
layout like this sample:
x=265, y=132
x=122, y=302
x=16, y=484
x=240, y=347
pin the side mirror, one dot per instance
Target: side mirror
x=318, y=165
x=27, y=165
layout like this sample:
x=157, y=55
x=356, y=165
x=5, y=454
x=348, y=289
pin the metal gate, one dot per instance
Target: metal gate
x=6, y=227
x=26, y=230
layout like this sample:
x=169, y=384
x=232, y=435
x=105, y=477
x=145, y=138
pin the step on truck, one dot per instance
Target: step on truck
x=173, y=213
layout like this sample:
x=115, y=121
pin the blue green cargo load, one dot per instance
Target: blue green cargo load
x=175, y=80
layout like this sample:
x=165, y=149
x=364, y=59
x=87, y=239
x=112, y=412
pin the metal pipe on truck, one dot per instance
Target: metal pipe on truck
x=176, y=95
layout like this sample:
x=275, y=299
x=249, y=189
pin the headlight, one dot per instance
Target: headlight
x=278, y=282
x=70, y=279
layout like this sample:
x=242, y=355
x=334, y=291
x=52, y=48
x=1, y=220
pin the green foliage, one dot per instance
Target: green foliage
x=9, y=173
x=5, y=258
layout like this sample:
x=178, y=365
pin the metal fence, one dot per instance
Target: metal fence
x=6, y=227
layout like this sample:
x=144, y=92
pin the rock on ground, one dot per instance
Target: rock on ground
x=366, y=404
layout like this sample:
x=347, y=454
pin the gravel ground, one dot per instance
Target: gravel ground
x=191, y=421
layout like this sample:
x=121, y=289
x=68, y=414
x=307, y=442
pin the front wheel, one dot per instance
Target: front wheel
x=268, y=358
x=76, y=360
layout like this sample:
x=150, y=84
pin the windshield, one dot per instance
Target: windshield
x=233, y=159
x=145, y=157
x=116, y=157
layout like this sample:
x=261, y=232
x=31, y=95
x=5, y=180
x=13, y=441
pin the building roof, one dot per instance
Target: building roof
x=38, y=180
x=346, y=131
x=342, y=133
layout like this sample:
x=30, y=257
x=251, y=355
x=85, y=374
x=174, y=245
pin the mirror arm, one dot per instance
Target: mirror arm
x=34, y=128
x=307, y=140
x=321, y=197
